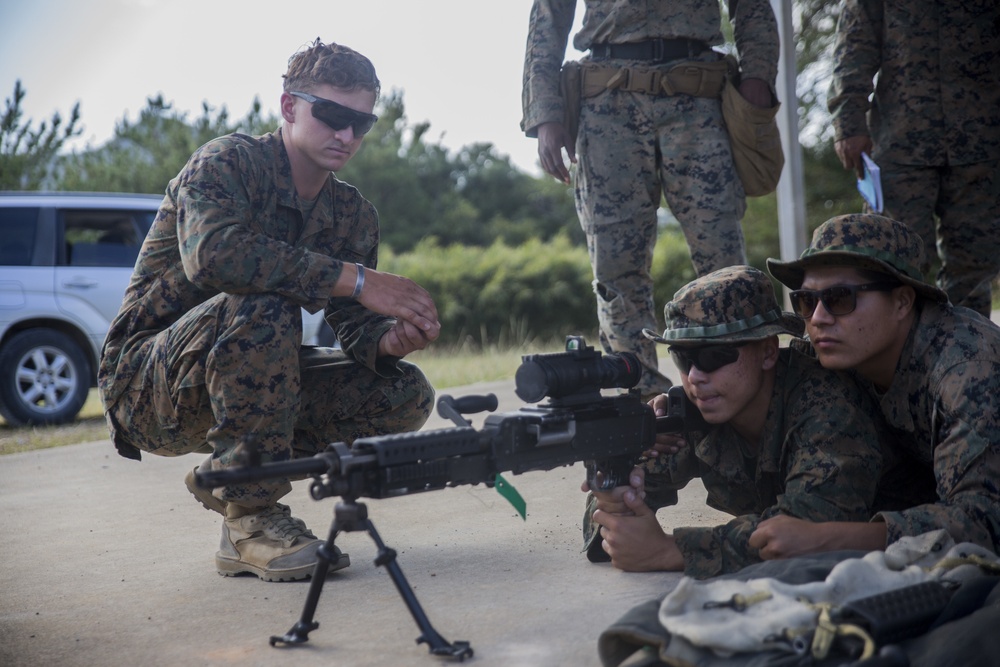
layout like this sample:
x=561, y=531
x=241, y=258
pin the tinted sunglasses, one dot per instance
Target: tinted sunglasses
x=707, y=358
x=337, y=116
x=837, y=299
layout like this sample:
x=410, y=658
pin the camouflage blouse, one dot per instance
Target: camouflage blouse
x=944, y=408
x=819, y=459
x=937, y=100
x=231, y=222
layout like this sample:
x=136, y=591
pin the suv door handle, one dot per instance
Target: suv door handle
x=80, y=283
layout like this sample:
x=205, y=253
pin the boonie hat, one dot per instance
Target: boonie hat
x=730, y=305
x=864, y=241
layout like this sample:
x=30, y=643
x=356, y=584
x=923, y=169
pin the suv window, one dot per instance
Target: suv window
x=17, y=228
x=103, y=238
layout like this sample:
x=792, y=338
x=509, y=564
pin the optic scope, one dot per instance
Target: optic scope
x=579, y=371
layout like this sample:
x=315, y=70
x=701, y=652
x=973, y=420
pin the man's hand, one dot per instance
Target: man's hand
x=636, y=541
x=665, y=443
x=399, y=297
x=849, y=151
x=611, y=501
x=757, y=93
x=785, y=536
x=552, y=139
x=402, y=339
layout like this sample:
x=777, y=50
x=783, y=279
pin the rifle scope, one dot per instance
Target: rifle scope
x=579, y=371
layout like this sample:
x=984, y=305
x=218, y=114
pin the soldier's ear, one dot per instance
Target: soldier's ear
x=287, y=107
x=769, y=353
x=904, y=298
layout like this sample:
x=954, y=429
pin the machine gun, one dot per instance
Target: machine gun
x=578, y=423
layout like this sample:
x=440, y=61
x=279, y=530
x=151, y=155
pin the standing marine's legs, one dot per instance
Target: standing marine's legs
x=617, y=195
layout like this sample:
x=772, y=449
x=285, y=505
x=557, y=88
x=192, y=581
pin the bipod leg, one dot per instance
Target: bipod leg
x=438, y=645
x=344, y=520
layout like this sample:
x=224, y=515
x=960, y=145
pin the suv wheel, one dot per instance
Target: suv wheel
x=44, y=378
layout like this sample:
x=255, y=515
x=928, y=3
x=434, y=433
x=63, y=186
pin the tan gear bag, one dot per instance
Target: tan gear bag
x=755, y=141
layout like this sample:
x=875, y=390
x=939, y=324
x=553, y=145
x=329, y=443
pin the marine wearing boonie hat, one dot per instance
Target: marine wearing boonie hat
x=734, y=304
x=863, y=241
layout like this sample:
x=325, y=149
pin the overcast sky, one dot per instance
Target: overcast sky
x=458, y=62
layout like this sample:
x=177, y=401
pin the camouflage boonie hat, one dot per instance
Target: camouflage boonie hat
x=734, y=304
x=864, y=241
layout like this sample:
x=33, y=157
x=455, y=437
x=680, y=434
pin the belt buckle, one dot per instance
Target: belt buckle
x=659, y=50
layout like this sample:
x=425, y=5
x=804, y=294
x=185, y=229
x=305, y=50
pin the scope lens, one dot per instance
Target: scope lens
x=561, y=375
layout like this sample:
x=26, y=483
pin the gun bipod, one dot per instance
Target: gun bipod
x=352, y=516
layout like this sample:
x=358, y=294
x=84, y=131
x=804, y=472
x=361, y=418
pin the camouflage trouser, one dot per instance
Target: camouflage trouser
x=634, y=148
x=957, y=211
x=232, y=368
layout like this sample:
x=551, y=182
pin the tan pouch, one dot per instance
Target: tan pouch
x=755, y=141
x=569, y=88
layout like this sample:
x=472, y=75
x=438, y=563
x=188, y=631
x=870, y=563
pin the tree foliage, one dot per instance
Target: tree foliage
x=473, y=197
x=143, y=155
x=26, y=154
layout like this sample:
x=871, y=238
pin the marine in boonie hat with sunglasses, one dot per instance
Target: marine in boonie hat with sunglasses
x=207, y=348
x=785, y=436
x=933, y=368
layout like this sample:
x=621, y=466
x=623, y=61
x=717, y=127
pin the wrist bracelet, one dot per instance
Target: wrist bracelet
x=360, y=283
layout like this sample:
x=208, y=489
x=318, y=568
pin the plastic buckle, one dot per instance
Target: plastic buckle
x=659, y=49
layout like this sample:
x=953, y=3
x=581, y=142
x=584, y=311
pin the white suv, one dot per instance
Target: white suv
x=65, y=262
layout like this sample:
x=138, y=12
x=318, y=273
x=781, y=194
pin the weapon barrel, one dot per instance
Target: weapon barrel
x=298, y=468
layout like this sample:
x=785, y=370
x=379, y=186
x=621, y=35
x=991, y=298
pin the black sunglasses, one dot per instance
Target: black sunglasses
x=337, y=116
x=707, y=358
x=837, y=299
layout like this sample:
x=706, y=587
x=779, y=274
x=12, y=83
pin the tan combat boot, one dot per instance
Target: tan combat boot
x=271, y=544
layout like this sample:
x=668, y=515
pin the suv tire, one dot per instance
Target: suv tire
x=44, y=378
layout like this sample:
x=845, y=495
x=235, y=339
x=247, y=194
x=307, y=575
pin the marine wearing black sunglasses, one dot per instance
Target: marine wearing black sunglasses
x=337, y=116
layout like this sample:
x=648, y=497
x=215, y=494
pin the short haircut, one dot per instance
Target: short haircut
x=332, y=64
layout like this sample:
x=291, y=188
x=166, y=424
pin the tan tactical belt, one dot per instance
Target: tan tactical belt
x=699, y=79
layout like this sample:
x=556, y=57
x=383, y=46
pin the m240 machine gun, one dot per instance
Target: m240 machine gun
x=577, y=423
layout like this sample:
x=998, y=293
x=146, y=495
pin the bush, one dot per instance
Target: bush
x=501, y=294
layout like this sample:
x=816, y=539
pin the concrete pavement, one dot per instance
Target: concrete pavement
x=106, y=561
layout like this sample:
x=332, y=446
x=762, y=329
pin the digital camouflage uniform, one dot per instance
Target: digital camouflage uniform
x=934, y=121
x=206, y=350
x=819, y=459
x=943, y=406
x=634, y=148
x=819, y=456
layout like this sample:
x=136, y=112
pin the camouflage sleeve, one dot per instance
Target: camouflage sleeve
x=830, y=462
x=755, y=30
x=966, y=461
x=220, y=248
x=709, y=552
x=857, y=57
x=548, y=35
x=357, y=328
x=668, y=473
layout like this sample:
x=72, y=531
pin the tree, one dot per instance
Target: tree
x=26, y=155
x=473, y=198
x=143, y=156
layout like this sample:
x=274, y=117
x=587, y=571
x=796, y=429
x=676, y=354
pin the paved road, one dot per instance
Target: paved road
x=106, y=561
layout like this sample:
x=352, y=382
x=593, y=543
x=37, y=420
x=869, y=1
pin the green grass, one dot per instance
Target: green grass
x=444, y=367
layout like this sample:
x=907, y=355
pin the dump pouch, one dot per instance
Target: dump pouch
x=755, y=140
x=569, y=88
